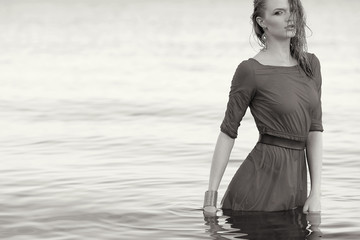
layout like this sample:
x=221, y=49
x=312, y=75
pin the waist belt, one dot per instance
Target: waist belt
x=282, y=142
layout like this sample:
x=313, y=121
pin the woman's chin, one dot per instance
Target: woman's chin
x=291, y=33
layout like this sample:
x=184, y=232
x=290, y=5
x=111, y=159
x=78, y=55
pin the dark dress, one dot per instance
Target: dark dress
x=284, y=103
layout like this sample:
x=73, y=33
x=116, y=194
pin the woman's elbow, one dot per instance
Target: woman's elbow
x=314, y=139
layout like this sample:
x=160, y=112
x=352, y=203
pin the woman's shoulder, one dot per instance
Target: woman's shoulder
x=313, y=59
x=311, y=55
x=247, y=64
x=316, y=68
x=245, y=68
x=244, y=74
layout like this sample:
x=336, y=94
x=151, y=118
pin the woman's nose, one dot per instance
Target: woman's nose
x=291, y=18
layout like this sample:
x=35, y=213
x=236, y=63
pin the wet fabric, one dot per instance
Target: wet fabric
x=284, y=103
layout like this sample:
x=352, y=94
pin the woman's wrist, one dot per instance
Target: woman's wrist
x=315, y=193
x=210, y=198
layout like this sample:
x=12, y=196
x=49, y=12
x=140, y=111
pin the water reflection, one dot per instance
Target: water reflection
x=285, y=225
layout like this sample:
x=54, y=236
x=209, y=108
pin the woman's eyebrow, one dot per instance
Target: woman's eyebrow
x=278, y=9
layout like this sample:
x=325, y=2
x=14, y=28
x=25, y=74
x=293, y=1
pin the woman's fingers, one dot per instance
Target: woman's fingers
x=210, y=211
x=312, y=207
x=306, y=207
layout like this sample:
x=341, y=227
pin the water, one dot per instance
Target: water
x=110, y=111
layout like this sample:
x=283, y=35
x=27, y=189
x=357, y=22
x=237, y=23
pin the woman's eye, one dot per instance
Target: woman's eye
x=278, y=12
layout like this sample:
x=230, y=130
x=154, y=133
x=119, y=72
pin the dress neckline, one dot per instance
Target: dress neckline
x=273, y=65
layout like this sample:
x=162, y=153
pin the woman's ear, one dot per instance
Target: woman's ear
x=260, y=21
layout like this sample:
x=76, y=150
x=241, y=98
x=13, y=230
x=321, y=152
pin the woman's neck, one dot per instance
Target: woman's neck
x=279, y=51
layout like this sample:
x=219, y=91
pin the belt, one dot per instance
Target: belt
x=282, y=142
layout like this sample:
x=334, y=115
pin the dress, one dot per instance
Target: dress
x=284, y=103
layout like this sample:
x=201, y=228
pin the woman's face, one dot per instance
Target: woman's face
x=278, y=20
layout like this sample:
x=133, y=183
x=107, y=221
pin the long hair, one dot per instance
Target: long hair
x=298, y=46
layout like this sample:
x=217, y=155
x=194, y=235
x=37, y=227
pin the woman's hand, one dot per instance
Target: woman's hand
x=312, y=204
x=210, y=200
x=209, y=211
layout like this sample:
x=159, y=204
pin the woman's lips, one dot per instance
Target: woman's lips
x=290, y=27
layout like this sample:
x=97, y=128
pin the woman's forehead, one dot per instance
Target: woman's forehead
x=277, y=4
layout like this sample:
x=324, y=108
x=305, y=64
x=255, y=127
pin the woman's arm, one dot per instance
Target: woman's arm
x=220, y=160
x=314, y=149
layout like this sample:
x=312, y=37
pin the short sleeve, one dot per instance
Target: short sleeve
x=316, y=121
x=242, y=91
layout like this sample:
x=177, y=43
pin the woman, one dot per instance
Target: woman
x=282, y=87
